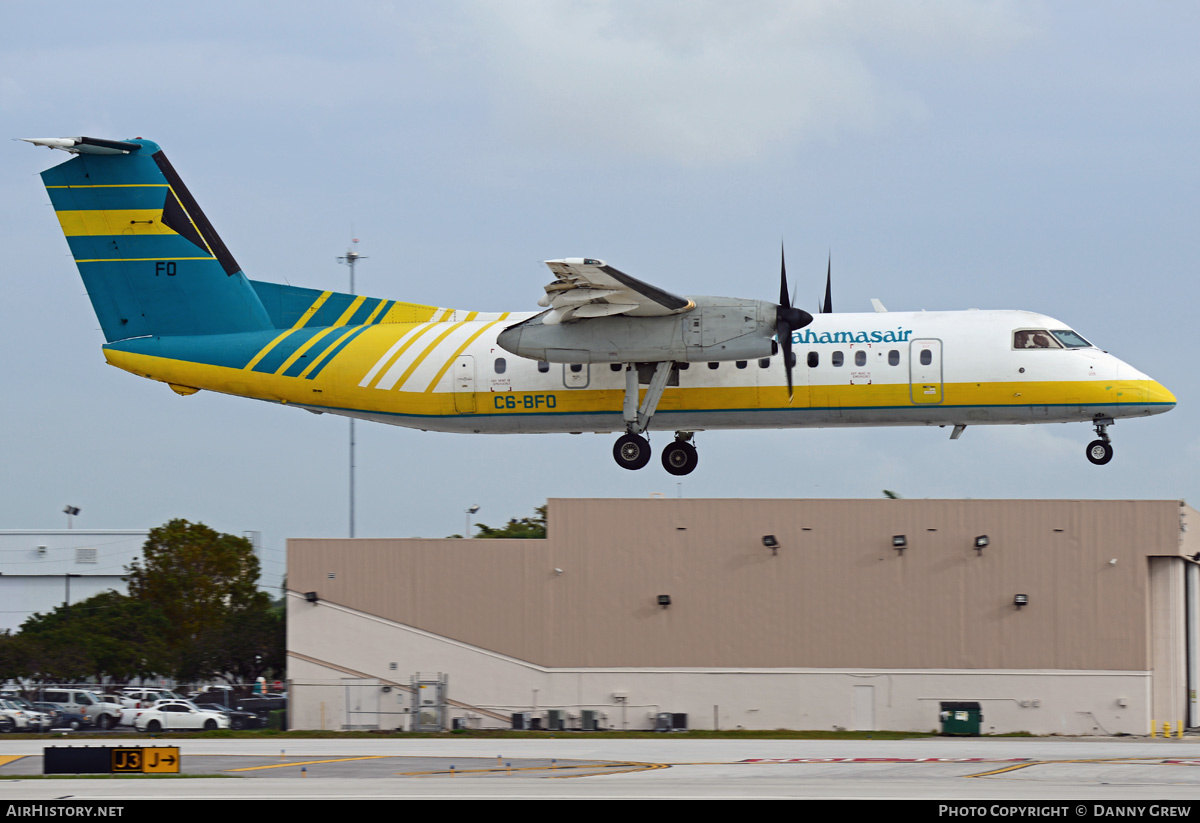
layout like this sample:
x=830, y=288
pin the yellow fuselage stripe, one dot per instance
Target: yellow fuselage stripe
x=398, y=354
x=446, y=366
x=138, y=259
x=308, y=314
x=336, y=343
x=428, y=350
x=115, y=186
x=349, y=312
x=375, y=313
x=103, y=222
x=298, y=353
x=304, y=318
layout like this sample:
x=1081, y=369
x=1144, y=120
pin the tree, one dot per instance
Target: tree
x=527, y=527
x=108, y=634
x=205, y=584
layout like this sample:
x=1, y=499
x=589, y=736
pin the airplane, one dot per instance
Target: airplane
x=608, y=352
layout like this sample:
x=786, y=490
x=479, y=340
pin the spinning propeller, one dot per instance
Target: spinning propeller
x=788, y=319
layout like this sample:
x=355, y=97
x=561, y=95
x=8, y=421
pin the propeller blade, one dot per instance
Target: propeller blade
x=827, y=308
x=787, y=320
x=784, y=299
x=783, y=333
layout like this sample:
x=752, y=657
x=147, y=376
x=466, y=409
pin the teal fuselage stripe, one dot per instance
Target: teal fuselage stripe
x=285, y=349
x=105, y=170
x=364, y=311
x=331, y=353
x=231, y=351
x=100, y=199
x=334, y=307
x=136, y=247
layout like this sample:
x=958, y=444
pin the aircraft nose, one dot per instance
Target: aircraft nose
x=1159, y=394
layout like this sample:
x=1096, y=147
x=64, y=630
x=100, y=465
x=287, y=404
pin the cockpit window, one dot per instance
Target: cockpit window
x=1069, y=339
x=1034, y=339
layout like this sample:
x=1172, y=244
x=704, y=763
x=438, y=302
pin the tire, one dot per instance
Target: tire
x=7, y=725
x=105, y=722
x=1099, y=452
x=631, y=452
x=237, y=723
x=154, y=727
x=680, y=458
x=210, y=725
x=74, y=725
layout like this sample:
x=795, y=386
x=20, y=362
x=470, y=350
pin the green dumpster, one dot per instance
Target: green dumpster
x=961, y=718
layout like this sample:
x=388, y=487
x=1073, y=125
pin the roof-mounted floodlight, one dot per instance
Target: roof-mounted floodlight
x=899, y=542
x=770, y=541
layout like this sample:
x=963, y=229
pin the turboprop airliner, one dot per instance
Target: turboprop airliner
x=607, y=353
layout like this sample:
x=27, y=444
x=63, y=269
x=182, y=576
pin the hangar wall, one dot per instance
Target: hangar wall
x=837, y=628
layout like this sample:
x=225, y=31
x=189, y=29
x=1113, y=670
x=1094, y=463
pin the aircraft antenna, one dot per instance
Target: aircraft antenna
x=351, y=258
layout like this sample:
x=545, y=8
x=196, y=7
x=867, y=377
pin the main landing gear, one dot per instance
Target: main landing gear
x=632, y=451
x=1101, y=451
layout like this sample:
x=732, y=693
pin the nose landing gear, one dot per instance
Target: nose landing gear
x=1100, y=451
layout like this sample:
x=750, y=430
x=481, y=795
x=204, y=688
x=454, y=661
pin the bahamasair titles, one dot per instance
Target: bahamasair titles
x=607, y=352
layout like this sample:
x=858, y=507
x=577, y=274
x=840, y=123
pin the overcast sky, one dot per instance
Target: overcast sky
x=951, y=155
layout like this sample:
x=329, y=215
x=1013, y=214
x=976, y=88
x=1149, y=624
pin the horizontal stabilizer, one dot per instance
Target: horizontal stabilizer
x=85, y=145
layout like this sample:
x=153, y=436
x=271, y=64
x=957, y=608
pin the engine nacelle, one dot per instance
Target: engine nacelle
x=718, y=328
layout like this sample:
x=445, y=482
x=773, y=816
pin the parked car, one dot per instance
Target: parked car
x=102, y=714
x=178, y=714
x=238, y=719
x=22, y=718
x=61, y=718
x=141, y=698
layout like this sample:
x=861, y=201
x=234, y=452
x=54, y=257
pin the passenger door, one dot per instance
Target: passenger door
x=925, y=371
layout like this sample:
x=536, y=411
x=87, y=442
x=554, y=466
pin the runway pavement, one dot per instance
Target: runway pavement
x=670, y=768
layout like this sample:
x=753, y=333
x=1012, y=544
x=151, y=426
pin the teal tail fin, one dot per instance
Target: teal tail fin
x=150, y=260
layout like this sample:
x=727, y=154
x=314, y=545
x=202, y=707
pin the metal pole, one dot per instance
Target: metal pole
x=350, y=259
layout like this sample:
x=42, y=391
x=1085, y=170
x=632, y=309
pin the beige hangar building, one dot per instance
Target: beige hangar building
x=1070, y=617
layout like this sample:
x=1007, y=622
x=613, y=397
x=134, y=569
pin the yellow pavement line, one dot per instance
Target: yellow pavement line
x=1018, y=766
x=291, y=763
x=5, y=759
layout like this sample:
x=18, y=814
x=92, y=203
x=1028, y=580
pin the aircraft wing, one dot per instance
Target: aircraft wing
x=584, y=287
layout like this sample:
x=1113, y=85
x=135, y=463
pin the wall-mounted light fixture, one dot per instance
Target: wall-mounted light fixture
x=981, y=543
x=771, y=543
x=664, y=600
x=311, y=597
x=1020, y=600
x=899, y=542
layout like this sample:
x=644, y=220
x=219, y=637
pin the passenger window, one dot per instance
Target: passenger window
x=713, y=365
x=741, y=364
x=577, y=367
x=543, y=366
x=501, y=365
x=615, y=367
x=813, y=359
x=764, y=362
x=837, y=358
x=926, y=357
x=684, y=366
x=860, y=358
x=893, y=358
